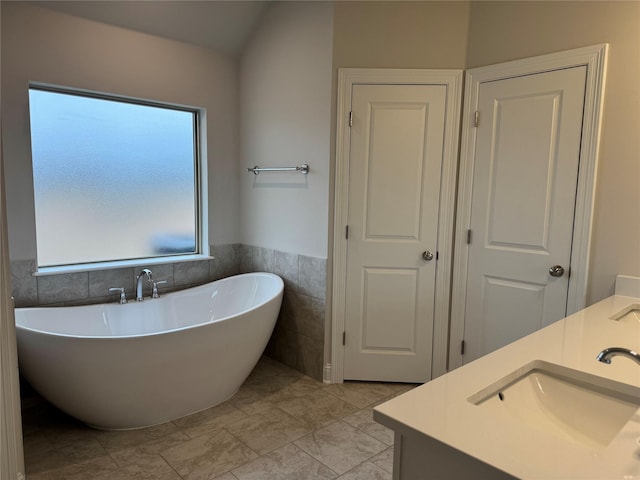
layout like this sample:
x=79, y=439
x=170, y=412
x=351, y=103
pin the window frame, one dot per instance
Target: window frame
x=200, y=184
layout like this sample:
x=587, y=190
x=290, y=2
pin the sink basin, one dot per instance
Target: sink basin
x=566, y=403
x=629, y=314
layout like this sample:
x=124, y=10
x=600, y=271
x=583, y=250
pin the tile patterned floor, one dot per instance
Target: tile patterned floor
x=280, y=425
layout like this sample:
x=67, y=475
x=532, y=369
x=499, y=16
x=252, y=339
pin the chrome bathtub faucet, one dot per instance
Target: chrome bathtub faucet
x=123, y=297
x=154, y=293
x=607, y=354
x=145, y=273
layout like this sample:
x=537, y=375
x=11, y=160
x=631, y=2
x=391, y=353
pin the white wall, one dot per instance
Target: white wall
x=45, y=46
x=285, y=106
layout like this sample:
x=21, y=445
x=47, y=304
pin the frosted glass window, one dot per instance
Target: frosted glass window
x=113, y=180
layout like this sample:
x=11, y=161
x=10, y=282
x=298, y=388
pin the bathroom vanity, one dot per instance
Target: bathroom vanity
x=542, y=407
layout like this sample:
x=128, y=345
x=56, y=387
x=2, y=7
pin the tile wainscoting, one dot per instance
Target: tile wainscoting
x=298, y=339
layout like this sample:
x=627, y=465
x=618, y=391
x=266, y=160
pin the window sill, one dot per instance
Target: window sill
x=140, y=262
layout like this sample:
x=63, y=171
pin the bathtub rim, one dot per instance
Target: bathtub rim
x=37, y=331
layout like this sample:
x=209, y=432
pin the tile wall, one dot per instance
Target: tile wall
x=298, y=338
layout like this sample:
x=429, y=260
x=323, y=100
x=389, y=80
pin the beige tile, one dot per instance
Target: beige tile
x=399, y=389
x=209, y=420
x=384, y=460
x=208, y=456
x=122, y=440
x=267, y=367
x=61, y=430
x=69, y=435
x=340, y=446
x=366, y=471
x=286, y=463
x=35, y=445
x=317, y=409
x=252, y=402
x=274, y=413
x=262, y=392
x=304, y=386
x=152, y=470
x=78, y=454
x=74, y=471
x=149, y=451
x=268, y=430
x=361, y=394
x=226, y=476
x=363, y=420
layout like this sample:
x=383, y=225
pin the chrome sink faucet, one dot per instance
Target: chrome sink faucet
x=145, y=273
x=607, y=354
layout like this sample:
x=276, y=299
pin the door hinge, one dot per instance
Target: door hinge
x=468, y=237
x=462, y=347
x=344, y=338
x=476, y=120
x=346, y=231
x=350, y=119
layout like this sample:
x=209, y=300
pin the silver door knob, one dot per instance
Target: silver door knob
x=556, y=271
x=427, y=255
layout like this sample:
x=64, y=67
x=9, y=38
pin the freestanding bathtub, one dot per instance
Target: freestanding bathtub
x=120, y=367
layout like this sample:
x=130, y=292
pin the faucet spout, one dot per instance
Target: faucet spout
x=145, y=273
x=607, y=354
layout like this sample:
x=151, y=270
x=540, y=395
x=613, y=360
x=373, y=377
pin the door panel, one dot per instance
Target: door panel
x=394, y=189
x=398, y=303
x=396, y=132
x=519, y=187
x=506, y=299
x=523, y=201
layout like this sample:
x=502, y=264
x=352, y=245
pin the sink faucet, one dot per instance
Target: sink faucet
x=607, y=354
x=145, y=273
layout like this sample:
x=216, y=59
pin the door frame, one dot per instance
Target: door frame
x=11, y=447
x=347, y=77
x=595, y=59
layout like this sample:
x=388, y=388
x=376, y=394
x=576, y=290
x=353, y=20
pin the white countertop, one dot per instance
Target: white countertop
x=440, y=409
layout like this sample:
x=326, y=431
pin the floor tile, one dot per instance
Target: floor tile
x=262, y=394
x=340, y=446
x=274, y=414
x=209, y=420
x=226, y=476
x=268, y=430
x=155, y=470
x=304, y=386
x=74, y=471
x=123, y=439
x=208, y=456
x=316, y=409
x=148, y=451
x=363, y=420
x=366, y=471
x=384, y=460
x=267, y=367
x=78, y=453
x=35, y=444
x=286, y=463
x=361, y=394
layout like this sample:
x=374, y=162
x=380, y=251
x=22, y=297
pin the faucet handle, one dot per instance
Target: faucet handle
x=123, y=297
x=154, y=293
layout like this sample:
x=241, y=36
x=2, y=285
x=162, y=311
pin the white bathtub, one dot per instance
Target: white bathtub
x=131, y=366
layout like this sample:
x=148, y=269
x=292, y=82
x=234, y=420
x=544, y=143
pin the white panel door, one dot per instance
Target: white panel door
x=396, y=155
x=522, y=209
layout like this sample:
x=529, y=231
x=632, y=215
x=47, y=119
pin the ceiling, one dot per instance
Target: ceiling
x=220, y=25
